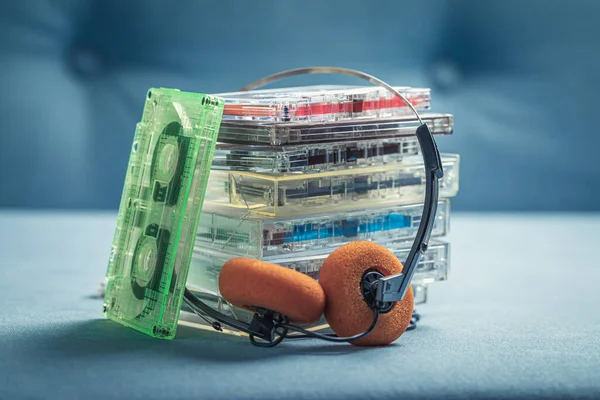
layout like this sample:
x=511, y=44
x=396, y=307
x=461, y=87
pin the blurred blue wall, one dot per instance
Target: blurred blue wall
x=521, y=78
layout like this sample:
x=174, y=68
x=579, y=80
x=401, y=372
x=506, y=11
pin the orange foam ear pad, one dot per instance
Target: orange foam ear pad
x=346, y=311
x=246, y=282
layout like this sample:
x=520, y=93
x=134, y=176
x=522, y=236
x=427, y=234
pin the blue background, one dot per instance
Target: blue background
x=521, y=78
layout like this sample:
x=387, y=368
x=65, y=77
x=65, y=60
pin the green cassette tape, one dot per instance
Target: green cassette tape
x=160, y=208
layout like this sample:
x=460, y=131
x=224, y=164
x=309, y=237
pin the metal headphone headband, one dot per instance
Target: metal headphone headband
x=385, y=289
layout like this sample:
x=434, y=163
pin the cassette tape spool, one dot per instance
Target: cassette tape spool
x=255, y=236
x=206, y=264
x=321, y=103
x=296, y=133
x=159, y=210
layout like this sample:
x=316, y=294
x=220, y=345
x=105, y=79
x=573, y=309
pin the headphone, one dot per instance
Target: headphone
x=364, y=291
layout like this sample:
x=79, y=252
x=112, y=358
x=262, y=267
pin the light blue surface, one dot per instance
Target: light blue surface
x=518, y=318
x=520, y=76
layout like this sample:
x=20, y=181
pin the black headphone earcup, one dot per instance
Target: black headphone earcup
x=246, y=282
x=346, y=311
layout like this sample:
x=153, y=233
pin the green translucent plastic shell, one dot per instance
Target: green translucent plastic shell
x=160, y=208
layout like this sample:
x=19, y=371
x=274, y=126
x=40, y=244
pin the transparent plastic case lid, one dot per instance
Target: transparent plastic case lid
x=313, y=158
x=322, y=103
x=262, y=237
x=296, y=133
x=307, y=194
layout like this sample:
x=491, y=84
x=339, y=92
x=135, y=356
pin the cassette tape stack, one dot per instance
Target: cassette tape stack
x=300, y=171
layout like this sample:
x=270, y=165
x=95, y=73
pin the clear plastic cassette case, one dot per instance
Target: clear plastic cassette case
x=262, y=237
x=203, y=277
x=159, y=210
x=282, y=133
x=301, y=194
x=313, y=158
x=322, y=103
x=206, y=264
